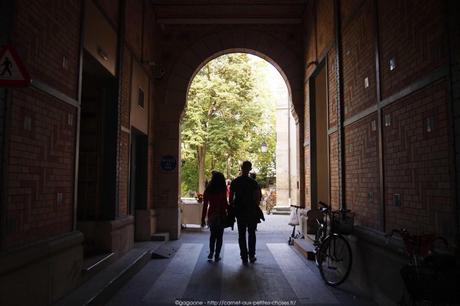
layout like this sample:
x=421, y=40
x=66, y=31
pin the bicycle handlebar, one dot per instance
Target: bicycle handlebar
x=417, y=244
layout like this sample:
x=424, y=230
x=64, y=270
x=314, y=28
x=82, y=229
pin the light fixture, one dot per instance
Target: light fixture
x=263, y=147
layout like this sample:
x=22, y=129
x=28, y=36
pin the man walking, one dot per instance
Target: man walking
x=245, y=197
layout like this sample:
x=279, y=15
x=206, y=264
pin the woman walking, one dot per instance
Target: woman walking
x=215, y=196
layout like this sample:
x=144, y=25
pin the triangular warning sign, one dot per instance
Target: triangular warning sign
x=12, y=71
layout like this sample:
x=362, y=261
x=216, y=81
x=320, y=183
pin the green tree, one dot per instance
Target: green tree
x=226, y=120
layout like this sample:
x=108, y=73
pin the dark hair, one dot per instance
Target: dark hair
x=217, y=183
x=246, y=165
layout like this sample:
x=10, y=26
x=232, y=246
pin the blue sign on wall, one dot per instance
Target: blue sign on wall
x=168, y=163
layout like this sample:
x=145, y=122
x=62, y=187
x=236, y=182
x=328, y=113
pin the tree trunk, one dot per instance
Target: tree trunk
x=228, y=166
x=201, y=167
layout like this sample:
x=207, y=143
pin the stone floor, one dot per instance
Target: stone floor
x=280, y=276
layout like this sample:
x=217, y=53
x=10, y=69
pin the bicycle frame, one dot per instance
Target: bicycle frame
x=323, y=229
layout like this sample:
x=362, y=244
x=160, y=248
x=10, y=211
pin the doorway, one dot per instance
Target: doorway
x=97, y=153
x=138, y=174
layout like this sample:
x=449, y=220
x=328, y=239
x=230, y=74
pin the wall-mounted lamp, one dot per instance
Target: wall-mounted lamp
x=263, y=147
x=102, y=54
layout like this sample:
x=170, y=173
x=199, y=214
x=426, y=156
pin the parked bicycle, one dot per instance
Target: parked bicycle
x=430, y=274
x=333, y=252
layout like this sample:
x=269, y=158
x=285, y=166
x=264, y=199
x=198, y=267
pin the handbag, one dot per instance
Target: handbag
x=260, y=215
x=229, y=219
x=293, y=218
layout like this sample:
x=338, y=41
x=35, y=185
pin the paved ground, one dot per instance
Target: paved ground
x=279, y=277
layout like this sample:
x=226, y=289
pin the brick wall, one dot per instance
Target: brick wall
x=332, y=88
x=418, y=46
x=124, y=141
x=140, y=43
x=362, y=172
x=418, y=163
x=334, y=170
x=47, y=36
x=359, y=62
x=41, y=139
x=41, y=168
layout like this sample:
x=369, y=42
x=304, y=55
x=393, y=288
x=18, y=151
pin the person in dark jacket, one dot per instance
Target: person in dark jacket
x=245, y=198
x=215, y=196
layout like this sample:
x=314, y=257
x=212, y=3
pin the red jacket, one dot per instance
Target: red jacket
x=218, y=205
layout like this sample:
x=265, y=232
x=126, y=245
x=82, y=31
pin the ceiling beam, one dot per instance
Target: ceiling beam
x=229, y=20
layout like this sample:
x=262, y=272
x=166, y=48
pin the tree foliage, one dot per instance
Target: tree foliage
x=229, y=114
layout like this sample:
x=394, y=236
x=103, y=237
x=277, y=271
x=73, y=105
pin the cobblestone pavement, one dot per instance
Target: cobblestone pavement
x=280, y=276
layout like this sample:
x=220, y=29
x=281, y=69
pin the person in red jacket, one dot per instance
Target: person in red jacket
x=215, y=196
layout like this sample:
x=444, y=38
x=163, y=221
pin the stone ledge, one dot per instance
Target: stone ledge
x=102, y=286
x=15, y=259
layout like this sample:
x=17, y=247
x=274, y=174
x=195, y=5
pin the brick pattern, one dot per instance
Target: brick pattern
x=124, y=141
x=325, y=26
x=47, y=36
x=359, y=62
x=362, y=172
x=41, y=168
x=418, y=163
x=332, y=88
x=334, y=170
x=123, y=176
x=416, y=39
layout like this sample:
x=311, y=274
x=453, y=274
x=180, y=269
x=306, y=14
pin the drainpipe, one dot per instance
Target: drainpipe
x=77, y=126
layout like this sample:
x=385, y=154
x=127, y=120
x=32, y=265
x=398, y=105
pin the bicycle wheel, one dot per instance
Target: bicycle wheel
x=319, y=236
x=334, y=259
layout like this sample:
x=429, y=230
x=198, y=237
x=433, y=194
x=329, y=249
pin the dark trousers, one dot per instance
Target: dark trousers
x=250, y=227
x=215, y=240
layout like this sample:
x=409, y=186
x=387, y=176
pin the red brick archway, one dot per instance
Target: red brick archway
x=172, y=99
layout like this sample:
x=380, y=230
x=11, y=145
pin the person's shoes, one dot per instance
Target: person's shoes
x=252, y=259
x=217, y=258
x=210, y=256
x=244, y=260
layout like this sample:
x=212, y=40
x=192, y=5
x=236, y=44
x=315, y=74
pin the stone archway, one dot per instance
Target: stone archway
x=171, y=99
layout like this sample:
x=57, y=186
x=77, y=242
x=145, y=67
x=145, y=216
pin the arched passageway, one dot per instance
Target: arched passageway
x=238, y=108
x=386, y=110
x=176, y=84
